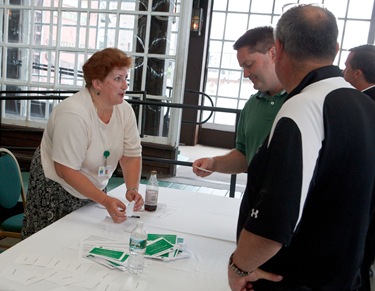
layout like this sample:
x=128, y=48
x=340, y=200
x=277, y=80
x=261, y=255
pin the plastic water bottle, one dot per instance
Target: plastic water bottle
x=152, y=192
x=137, y=249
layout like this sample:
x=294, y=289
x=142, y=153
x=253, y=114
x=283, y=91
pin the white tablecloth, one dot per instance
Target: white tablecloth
x=206, y=222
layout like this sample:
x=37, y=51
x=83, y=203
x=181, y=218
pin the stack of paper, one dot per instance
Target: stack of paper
x=166, y=247
x=110, y=258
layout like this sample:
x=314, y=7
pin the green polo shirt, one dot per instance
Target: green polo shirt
x=256, y=121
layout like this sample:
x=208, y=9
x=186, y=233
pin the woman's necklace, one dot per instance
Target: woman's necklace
x=103, y=170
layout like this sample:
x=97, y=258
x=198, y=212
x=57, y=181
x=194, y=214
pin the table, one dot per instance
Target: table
x=206, y=222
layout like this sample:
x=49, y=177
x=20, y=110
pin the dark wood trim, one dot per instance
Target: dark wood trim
x=12, y=136
x=29, y=138
x=159, y=151
x=217, y=138
x=195, y=72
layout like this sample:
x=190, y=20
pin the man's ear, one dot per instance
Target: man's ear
x=337, y=47
x=358, y=74
x=272, y=51
x=279, y=48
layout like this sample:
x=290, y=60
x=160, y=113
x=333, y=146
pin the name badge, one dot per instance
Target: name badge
x=104, y=171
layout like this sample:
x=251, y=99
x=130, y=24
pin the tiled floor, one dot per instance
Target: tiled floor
x=216, y=183
x=185, y=179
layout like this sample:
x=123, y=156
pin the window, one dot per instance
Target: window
x=225, y=82
x=44, y=43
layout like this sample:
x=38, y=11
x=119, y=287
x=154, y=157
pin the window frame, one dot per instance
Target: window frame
x=178, y=36
x=244, y=89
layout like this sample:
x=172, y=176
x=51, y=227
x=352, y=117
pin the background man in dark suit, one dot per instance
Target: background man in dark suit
x=360, y=72
x=360, y=69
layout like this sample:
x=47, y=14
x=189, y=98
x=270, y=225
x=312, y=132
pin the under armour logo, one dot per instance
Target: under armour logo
x=254, y=213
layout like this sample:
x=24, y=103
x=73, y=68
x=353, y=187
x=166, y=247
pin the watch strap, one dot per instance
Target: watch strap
x=131, y=189
x=236, y=269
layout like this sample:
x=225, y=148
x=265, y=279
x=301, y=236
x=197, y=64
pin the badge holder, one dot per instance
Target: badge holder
x=104, y=170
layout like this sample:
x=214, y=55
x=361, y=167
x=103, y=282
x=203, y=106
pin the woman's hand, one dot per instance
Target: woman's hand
x=133, y=195
x=115, y=208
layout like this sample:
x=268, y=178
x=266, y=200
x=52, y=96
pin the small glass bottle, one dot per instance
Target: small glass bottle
x=137, y=249
x=152, y=192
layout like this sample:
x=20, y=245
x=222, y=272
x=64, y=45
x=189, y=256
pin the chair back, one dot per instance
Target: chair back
x=11, y=184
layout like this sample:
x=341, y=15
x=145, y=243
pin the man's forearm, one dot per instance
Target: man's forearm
x=233, y=162
x=253, y=251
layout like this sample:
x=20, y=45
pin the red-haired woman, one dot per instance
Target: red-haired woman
x=87, y=135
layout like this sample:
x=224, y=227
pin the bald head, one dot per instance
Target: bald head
x=308, y=32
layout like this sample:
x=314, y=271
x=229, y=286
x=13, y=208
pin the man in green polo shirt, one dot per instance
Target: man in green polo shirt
x=255, y=55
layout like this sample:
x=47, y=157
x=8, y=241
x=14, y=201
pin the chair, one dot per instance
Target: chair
x=11, y=188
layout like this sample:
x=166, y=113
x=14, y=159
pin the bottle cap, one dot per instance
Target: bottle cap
x=154, y=172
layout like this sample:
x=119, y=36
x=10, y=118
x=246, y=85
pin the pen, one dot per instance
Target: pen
x=134, y=216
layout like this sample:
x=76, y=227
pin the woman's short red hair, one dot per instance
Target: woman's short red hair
x=102, y=63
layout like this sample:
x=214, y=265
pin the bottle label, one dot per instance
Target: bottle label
x=151, y=197
x=137, y=243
